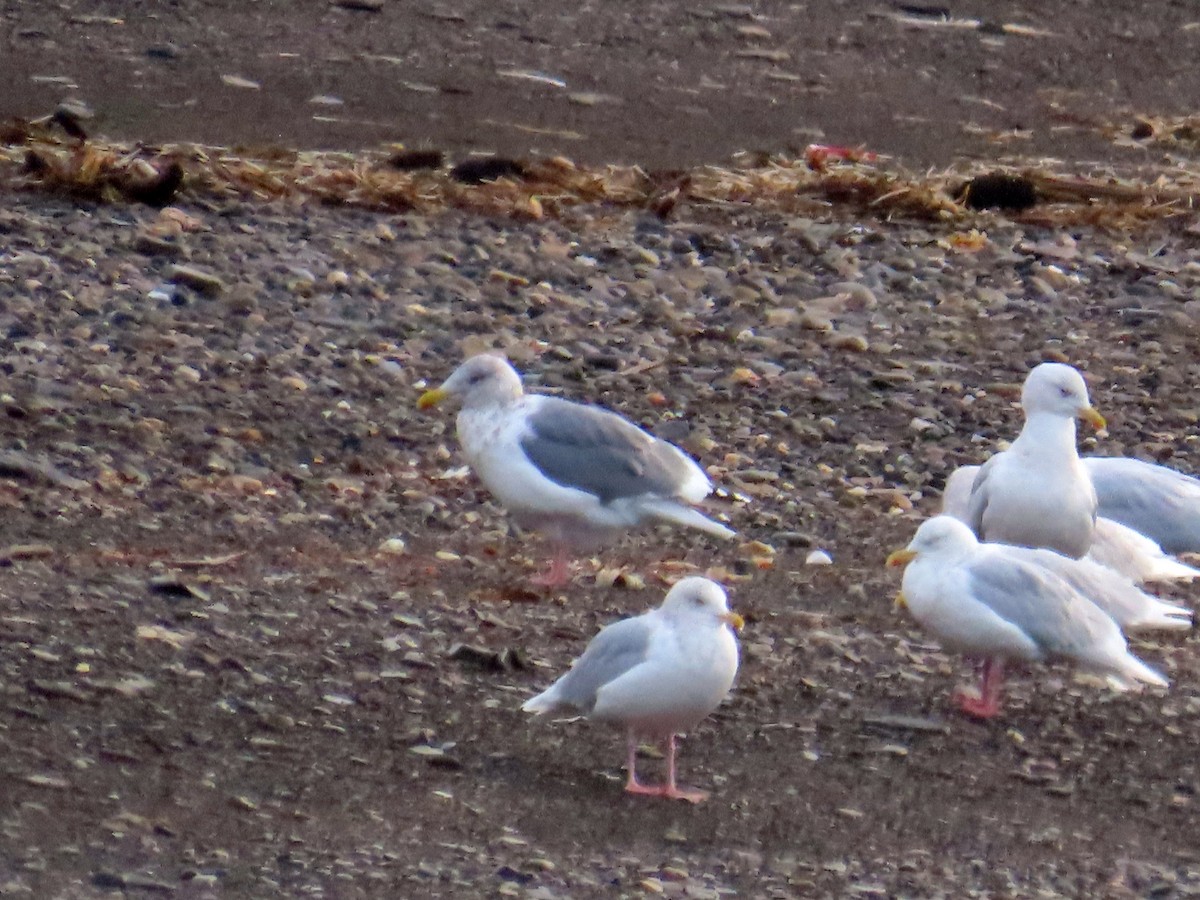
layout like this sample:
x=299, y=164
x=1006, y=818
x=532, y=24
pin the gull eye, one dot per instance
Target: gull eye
x=477, y=377
x=698, y=600
x=1065, y=391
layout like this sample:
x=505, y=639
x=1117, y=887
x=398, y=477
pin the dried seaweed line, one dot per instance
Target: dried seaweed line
x=552, y=187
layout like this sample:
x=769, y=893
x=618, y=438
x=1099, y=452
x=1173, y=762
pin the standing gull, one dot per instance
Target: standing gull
x=656, y=675
x=982, y=601
x=1037, y=493
x=1114, y=546
x=576, y=473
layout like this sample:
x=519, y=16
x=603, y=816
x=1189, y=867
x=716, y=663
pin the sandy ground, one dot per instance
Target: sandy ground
x=655, y=83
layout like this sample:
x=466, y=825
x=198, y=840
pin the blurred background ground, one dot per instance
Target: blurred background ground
x=652, y=82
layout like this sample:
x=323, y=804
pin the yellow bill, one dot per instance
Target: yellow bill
x=432, y=398
x=901, y=558
x=1092, y=416
x=733, y=620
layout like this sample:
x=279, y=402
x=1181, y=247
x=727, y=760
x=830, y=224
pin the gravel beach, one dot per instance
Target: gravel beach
x=263, y=635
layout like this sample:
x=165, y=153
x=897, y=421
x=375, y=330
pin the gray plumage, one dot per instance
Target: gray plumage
x=613, y=652
x=1156, y=501
x=597, y=451
x=1047, y=608
x=1037, y=493
x=977, y=500
x=1114, y=546
x=656, y=675
x=579, y=474
x=986, y=601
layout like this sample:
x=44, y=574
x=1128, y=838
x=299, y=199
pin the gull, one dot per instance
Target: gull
x=1153, y=500
x=983, y=601
x=576, y=473
x=655, y=675
x=1114, y=546
x=1037, y=493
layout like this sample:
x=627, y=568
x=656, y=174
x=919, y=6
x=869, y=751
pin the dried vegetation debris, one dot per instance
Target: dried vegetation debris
x=34, y=155
x=1177, y=134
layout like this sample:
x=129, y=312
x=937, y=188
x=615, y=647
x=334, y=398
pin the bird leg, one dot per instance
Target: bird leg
x=673, y=791
x=559, y=572
x=632, y=785
x=986, y=704
x=669, y=790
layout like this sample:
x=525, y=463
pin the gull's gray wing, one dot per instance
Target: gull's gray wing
x=597, y=451
x=1156, y=501
x=613, y=652
x=1054, y=615
x=1116, y=594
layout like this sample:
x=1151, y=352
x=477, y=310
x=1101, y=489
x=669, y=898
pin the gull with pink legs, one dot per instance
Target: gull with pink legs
x=655, y=675
x=990, y=604
x=579, y=474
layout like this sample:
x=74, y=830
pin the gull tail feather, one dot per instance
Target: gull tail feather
x=1163, y=617
x=669, y=511
x=1167, y=569
x=545, y=702
x=1130, y=673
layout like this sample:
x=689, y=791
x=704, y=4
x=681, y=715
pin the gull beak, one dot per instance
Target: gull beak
x=1093, y=418
x=901, y=602
x=901, y=558
x=733, y=620
x=432, y=398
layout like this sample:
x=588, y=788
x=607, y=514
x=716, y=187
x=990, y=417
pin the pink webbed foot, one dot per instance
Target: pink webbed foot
x=974, y=705
x=691, y=795
x=671, y=792
x=986, y=703
x=558, y=574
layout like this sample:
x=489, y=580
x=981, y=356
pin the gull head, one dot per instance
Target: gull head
x=1059, y=390
x=941, y=536
x=696, y=596
x=482, y=381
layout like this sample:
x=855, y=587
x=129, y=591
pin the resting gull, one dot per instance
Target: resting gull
x=656, y=675
x=1153, y=500
x=989, y=604
x=1114, y=545
x=576, y=473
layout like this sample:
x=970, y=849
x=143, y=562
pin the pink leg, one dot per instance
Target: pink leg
x=559, y=572
x=632, y=785
x=669, y=790
x=673, y=791
x=987, y=704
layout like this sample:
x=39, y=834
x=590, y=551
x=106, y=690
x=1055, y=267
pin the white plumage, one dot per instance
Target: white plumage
x=492, y=440
x=1037, y=493
x=1114, y=545
x=990, y=604
x=655, y=675
x=1135, y=555
x=1118, y=560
